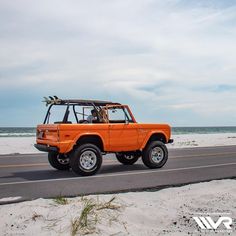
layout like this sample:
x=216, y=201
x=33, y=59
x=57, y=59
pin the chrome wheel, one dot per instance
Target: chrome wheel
x=88, y=160
x=157, y=155
x=63, y=161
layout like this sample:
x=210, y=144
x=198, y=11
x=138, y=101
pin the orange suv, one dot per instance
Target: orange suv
x=77, y=133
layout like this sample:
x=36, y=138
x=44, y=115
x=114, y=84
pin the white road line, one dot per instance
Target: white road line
x=118, y=174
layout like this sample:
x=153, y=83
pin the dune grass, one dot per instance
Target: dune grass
x=87, y=221
x=60, y=200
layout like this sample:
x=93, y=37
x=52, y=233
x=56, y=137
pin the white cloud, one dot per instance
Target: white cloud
x=138, y=52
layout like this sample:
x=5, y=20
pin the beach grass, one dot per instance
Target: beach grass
x=89, y=216
x=61, y=200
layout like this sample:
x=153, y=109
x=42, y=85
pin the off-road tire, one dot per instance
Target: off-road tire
x=79, y=159
x=162, y=154
x=58, y=161
x=126, y=159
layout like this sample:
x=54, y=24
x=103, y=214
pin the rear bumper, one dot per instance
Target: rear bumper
x=45, y=148
x=171, y=141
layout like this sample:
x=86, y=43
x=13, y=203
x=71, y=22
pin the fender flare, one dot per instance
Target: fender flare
x=149, y=136
x=87, y=134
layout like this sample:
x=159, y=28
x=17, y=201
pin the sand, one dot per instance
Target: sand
x=165, y=212
x=203, y=140
x=15, y=145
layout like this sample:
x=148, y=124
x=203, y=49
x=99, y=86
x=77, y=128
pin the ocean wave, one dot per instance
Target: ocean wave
x=4, y=135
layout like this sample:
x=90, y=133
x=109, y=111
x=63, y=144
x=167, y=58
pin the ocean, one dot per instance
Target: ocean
x=30, y=131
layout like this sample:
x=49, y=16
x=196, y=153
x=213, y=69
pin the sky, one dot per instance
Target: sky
x=171, y=61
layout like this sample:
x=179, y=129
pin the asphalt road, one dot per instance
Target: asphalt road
x=30, y=176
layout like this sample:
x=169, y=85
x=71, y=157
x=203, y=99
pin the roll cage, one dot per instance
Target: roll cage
x=101, y=108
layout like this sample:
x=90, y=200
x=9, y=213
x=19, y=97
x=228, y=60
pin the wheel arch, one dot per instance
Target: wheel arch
x=91, y=138
x=155, y=136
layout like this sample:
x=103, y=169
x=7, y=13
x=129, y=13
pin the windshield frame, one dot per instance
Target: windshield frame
x=125, y=109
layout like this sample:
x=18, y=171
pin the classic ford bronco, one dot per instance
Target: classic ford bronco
x=77, y=133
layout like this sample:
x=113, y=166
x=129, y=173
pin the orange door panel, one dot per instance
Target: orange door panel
x=123, y=137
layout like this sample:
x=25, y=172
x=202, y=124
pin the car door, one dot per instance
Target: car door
x=123, y=133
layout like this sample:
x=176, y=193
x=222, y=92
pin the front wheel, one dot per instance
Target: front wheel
x=126, y=159
x=155, y=155
x=86, y=159
x=58, y=161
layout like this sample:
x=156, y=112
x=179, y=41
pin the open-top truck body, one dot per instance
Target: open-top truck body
x=73, y=142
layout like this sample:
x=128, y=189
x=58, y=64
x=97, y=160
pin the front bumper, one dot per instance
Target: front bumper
x=171, y=141
x=45, y=148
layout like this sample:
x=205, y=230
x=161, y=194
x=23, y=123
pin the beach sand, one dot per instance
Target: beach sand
x=165, y=212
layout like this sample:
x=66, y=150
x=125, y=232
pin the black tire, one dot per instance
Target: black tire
x=80, y=158
x=126, y=159
x=159, y=159
x=58, y=161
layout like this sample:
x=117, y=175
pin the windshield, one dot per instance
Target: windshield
x=119, y=115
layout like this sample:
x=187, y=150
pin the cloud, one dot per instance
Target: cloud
x=163, y=57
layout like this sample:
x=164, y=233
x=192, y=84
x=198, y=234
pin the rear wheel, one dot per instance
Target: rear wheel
x=58, y=161
x=86, y=159
x=127, y=159
x=155, y=155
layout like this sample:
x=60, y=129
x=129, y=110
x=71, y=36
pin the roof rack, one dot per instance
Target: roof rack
x=54, y=100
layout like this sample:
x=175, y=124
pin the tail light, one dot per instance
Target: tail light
x=40, y=134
